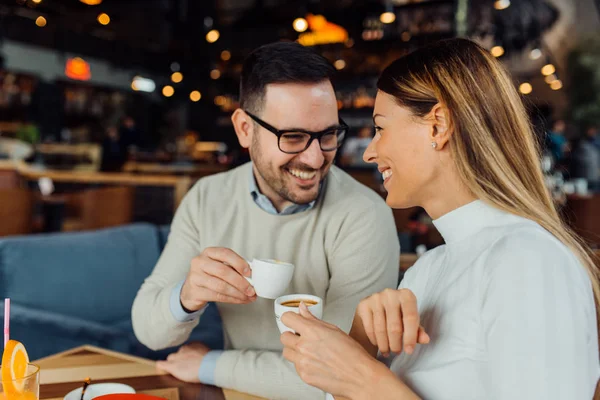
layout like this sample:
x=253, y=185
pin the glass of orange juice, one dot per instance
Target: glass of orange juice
x=19, y=379
x=26, y=388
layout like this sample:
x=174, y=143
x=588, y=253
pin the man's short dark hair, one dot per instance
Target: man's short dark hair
x=281, y=62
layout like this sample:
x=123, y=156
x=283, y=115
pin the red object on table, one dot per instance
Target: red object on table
x=128, y=396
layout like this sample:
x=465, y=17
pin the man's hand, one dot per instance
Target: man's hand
x=217, y=274
x=185, y=363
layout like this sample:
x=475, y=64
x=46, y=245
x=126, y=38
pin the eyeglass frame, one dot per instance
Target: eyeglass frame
x=313, y=135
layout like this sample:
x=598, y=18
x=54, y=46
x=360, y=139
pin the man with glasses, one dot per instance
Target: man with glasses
x=289, y=203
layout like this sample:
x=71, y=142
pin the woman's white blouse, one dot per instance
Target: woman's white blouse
x=509, y=309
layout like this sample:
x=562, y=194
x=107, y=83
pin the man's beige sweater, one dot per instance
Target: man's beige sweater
x=344, y=249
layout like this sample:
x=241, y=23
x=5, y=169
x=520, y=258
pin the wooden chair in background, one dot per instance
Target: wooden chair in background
x=100, y=208
x=10, y=179
x=16, y=212
x=582, y=213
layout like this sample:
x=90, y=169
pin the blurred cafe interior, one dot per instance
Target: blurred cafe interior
x=111, y=110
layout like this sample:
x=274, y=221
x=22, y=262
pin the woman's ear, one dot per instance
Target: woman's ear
x=243, y=127
x=441, y=131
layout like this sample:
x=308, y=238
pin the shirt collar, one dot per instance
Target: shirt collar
x=470, y=219
x=264, y=203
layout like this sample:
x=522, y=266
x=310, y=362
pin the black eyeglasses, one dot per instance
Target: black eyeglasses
x=297, y=140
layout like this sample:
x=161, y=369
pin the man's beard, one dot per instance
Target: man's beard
x=277, y=182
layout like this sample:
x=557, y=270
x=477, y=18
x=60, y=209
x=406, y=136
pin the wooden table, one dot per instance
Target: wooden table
x=180, y=184
x=196, y=170
x=66, y=371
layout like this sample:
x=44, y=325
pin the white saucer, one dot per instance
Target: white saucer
x=99, y=389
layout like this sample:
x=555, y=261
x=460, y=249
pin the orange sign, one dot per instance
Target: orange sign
x=78, y=69
x=322, y=32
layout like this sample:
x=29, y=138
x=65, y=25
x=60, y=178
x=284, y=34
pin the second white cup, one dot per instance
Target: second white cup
x=291, y=303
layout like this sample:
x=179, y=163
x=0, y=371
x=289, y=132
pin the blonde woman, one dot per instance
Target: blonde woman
x=505, y=309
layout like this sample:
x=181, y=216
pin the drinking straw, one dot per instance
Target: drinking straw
x=6, y=321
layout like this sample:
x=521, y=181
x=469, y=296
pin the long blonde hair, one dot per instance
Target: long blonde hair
x=493, y=145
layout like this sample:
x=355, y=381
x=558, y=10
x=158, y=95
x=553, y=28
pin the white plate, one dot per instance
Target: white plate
x=99, y=389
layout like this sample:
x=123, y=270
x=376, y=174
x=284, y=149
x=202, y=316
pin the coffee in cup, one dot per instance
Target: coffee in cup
x=270, y=278
x=296, y=303
x=291, y=303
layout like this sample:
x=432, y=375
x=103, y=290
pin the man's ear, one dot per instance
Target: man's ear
x=244, y=127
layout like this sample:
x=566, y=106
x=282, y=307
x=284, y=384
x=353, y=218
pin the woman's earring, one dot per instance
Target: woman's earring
x=434, y=145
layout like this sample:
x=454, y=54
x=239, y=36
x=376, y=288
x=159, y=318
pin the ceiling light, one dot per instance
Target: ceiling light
x=300, y=25
x=387, y=17
x=548, y=69
x=340, y=64
x=501, y=4
x=195, y=96
x=526, y=88
x=225, y=55
x=556, y=85
x=215, y=74
x=212, y=36
x=177, y=77
x=142, y=84
x=551, y=78
x=497, y=51
x=104, y=19
x=91, y=2
x=220, y=100
x=168, y=91
x=40, y=21
x=78, y=69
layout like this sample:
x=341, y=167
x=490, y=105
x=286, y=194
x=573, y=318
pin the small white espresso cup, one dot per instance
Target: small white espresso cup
x=316, y=308
x=270, y=278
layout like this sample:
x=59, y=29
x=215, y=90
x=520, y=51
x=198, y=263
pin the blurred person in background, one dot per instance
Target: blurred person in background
x=557, y=142
x=593, y=131
x=585, y=158
x=129, y=134
x=114, y=154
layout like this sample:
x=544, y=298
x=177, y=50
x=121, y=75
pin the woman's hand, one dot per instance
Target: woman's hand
x=390, y=321
x=327, y=358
